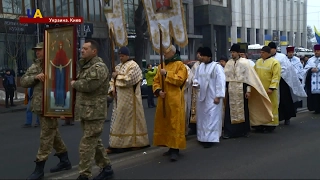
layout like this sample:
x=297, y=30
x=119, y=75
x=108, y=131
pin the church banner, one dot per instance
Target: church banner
x=114, y=13
x=169, y=16
x=60, y=44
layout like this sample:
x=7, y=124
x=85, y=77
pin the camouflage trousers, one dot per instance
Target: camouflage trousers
x=49, y=138
x=91, y=147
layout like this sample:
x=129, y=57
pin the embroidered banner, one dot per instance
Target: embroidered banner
x=169, y=16
x=114, y=13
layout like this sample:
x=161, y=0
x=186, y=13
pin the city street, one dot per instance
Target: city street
x=20, y=145
x=290, y=152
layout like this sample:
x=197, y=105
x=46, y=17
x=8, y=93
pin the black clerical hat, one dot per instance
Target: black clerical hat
x=206, y=52
x=235, y=48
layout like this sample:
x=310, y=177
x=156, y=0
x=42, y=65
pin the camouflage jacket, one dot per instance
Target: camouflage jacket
x=28, y=81
x=91, y=90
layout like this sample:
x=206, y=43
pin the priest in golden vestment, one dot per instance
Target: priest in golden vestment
x=194, y=96
x=247, y=102
x=269, y=72
x=169, y=130
x=128, y=129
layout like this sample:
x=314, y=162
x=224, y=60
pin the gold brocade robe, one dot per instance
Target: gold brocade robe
x=269, y=72
x=169, y=131
x=128, y=127
x=260, y=107
x=194, y=96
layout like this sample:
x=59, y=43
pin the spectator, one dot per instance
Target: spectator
x=27, y=101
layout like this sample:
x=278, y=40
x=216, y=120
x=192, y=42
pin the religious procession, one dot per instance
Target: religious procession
x=214, y=100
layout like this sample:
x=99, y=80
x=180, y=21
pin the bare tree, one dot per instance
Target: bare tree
x=140, y=30
x=310, y=37
x=14, y=33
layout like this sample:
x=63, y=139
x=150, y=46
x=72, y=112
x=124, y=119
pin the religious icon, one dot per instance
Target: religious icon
x=162, y=5
x=61, y=73
x=108, y=6
x=60, y=68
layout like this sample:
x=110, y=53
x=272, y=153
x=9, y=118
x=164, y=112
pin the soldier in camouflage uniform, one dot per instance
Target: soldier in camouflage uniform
x=50, y=136
x=91, y=109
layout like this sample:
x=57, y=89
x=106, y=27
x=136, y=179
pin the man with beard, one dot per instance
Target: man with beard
x=246, y=99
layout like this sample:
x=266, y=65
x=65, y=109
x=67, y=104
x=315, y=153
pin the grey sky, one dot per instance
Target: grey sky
x=313, y=14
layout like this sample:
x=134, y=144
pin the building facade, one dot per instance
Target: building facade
x=16, y=40
x=213, y=21
x=262, y=21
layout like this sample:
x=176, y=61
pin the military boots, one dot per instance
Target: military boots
x=105, y=174
x=38, y=171
x=64, y=163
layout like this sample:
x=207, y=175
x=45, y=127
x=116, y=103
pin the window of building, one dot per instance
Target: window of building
x=238, y=32
x=129, y=11
x=92, y=11
x=85, y=10
x=258, y=36
x=248, y=35
x=16, y=6
x=63, y=8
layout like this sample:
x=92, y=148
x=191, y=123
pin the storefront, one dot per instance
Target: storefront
x=16, y=42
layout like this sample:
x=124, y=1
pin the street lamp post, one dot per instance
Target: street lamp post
x=82, y=33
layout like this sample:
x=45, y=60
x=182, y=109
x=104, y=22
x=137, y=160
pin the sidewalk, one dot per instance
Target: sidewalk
x=19, y=102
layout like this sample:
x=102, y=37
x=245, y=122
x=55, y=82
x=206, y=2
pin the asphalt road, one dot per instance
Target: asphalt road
x=291, y=152
x=19, y=145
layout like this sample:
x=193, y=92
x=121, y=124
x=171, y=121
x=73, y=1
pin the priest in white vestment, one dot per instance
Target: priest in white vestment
x=298, y=67
x=289, y=82
x=312, y=81
x=211, y=81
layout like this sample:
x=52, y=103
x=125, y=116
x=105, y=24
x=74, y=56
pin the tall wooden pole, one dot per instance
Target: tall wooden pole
x=112, y=46
x=162, y=77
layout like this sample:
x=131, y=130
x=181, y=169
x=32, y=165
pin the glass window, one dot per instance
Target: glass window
x=58, y=8
x=2, y=52
x=65, y=8
x=85, y=9
x=27, y=5
x=17, y=6
x=91, y=10
x=131, y=16
x=52, y=8
x=7, y=6
x=126, y=12
x=71, y=8
x=97, y=10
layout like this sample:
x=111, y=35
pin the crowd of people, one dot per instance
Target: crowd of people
x=212, y=100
